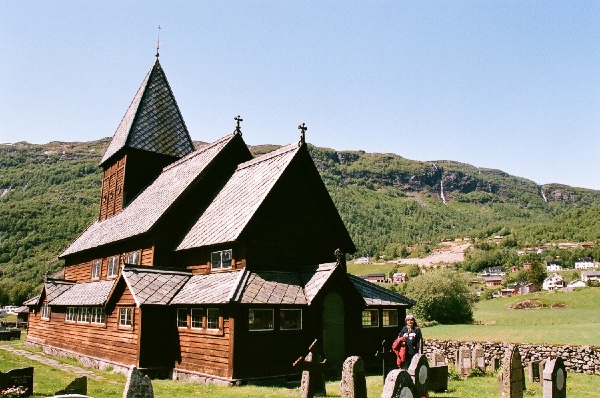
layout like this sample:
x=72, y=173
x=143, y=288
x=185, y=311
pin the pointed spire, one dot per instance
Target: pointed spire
x=302, y=129
x=158, y=43
x=153, y=121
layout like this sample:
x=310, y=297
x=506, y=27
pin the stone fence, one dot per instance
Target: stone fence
x=578, y=359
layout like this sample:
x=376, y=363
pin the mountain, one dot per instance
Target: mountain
x=50, y=193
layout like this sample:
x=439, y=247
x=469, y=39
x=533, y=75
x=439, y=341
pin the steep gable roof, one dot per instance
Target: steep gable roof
x=377, y=295
x=233, y=208
x=147, y=208
x=153, y=121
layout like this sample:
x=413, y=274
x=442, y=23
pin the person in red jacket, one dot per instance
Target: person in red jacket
x=399, y=348
x=412, y=338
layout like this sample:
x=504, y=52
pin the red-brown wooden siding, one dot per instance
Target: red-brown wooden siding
x=112, y=189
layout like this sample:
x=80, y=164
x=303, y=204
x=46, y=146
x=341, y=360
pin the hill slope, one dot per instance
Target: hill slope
x=49, y=194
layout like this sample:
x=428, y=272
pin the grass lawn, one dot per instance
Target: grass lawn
x=576, y=322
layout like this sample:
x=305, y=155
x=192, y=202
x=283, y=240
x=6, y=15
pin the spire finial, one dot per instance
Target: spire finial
x=302, y=129
x=158, y=43
x=238, y=119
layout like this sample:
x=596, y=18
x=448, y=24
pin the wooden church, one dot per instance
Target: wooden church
x=208, y=264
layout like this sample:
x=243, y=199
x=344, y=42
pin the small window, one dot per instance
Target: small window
x=113, y=263
x=83, y=314
x=290, y=319
x=182, y=318
x=96, y=269
x=97, y=315
x=260, y=319
x=71, y=314
x=196, y=318
x=125, y=316
x=212, y=318
x=133, y=258
x=221, y=259
x=370, y=318
x=45, y=311
x=390, y=317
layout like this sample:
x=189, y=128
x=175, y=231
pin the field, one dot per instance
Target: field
x=574, y=320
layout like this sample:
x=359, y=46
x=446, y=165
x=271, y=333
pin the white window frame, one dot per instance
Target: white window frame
x=197, y=318
x=71, y=314
x=45, y=311
x=251, y=319
x=212, y=321
x=83, y=314
x=220, y=258
x=133, y=258
x=97, y=315
x=126, y=317
x=370, y=311
x=281, y=326
x=182, y=318
x=113, y=266
x=96, y=269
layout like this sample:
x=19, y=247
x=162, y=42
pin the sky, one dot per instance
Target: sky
x=509, y=85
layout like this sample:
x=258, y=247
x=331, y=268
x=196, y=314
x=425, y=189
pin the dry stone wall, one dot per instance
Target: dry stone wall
x=578, y=359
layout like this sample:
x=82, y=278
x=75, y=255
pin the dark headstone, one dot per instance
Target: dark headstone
x=533, y=370
x=77, y=386
x=438, y=378
x=22, y=377
x=399, y=384
x=419, y=371
x=313, y=382
x=138, y=385
x=541, y=366
x=555, y=379
x=511, y=379
x=354, y=382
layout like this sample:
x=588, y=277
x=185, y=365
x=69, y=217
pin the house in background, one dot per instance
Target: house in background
x=553, y=282
x=208, y=264
x=585, y=263
x=590, y=276
x=553, y=266
x=399, y=277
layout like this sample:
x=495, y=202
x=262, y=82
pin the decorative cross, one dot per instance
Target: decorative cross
x=382, y=354
x=302, y=129
x=238, y=119
x=313, y=382
x=311, y=361
x=158, y=42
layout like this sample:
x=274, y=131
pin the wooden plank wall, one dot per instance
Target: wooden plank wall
x=205, y=353
x=112, y=189
x=107, y=341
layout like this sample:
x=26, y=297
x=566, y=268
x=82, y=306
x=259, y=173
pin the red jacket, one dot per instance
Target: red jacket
x=399, y=348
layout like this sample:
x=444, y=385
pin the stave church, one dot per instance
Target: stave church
x=207, y=263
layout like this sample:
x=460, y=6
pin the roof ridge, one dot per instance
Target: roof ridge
x=156, y=270
x=267, y=156
x=199, y=151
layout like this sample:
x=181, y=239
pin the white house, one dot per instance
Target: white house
x=576, y=283
x=553, y=266
x=553, y=282
x=590, y=276
x=585, y=263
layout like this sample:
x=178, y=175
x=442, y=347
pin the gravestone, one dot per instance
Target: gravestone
x=555, y=379
x=313, y=382
x=494, y=364
x=463, y=364
x=533, y=371
x=354, y=382
x=138, y=385
x=478, y=358
x=399, y=384
x=541, y=371
x=77, y=386
x=436, y=359
x=21, y=377
x=419, y=372
x=438, y=378
x=511, y=379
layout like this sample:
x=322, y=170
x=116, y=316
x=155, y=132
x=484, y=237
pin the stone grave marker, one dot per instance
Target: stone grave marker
x=494, y=364
x=438, y=378
x=533, y=371
x=77, y=386
x=436, y=359
x=399, y=384
x=511, y=378
x=555, y=379
x=463, y=364
x=313, y=382
x=478, y=358
x=354, y=382
x=419, y=372
x=21, y=377
x=541, y=371
x=138, y=385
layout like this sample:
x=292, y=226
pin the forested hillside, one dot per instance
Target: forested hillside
x=49, y=194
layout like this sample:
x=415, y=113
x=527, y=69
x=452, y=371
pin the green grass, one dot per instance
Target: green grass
x=576, y=323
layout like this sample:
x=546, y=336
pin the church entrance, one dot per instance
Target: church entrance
x=333, y=328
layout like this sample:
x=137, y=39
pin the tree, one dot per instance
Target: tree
x=443, y=296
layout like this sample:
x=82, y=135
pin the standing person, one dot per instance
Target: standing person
x=412, y=338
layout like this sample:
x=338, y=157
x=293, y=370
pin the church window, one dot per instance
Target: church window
x=182, y=321
x=113, y=263
x=46, y=311
x=97, y=315
x=83, y=314
x=290, y=319
x=221, y=259
x=260, y=319
x=390, y=318
x=370, y=318
x=71, y=314
x=96, y=269
x=133, y=258
x=212, y=318
x=125, y=315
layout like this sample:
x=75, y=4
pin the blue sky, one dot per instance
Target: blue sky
x=511, y=85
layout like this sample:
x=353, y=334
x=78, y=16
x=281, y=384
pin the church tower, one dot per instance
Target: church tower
x=151, y=136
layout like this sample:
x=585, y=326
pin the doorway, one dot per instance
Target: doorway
x=333, y=328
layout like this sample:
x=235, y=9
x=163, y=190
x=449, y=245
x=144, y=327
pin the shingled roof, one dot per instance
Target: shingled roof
x=90, y=293
x=376, y=295
x=233, y=208
x=150, y=285
x=214, y=288
x=146, y=209
x=153, y=121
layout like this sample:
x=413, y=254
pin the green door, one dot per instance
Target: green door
x=333, y=327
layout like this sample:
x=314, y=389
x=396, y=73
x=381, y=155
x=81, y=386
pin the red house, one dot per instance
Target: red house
x=207, y=263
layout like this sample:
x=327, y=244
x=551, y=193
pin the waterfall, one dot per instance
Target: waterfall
x=543, y=196
x=442, y=191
